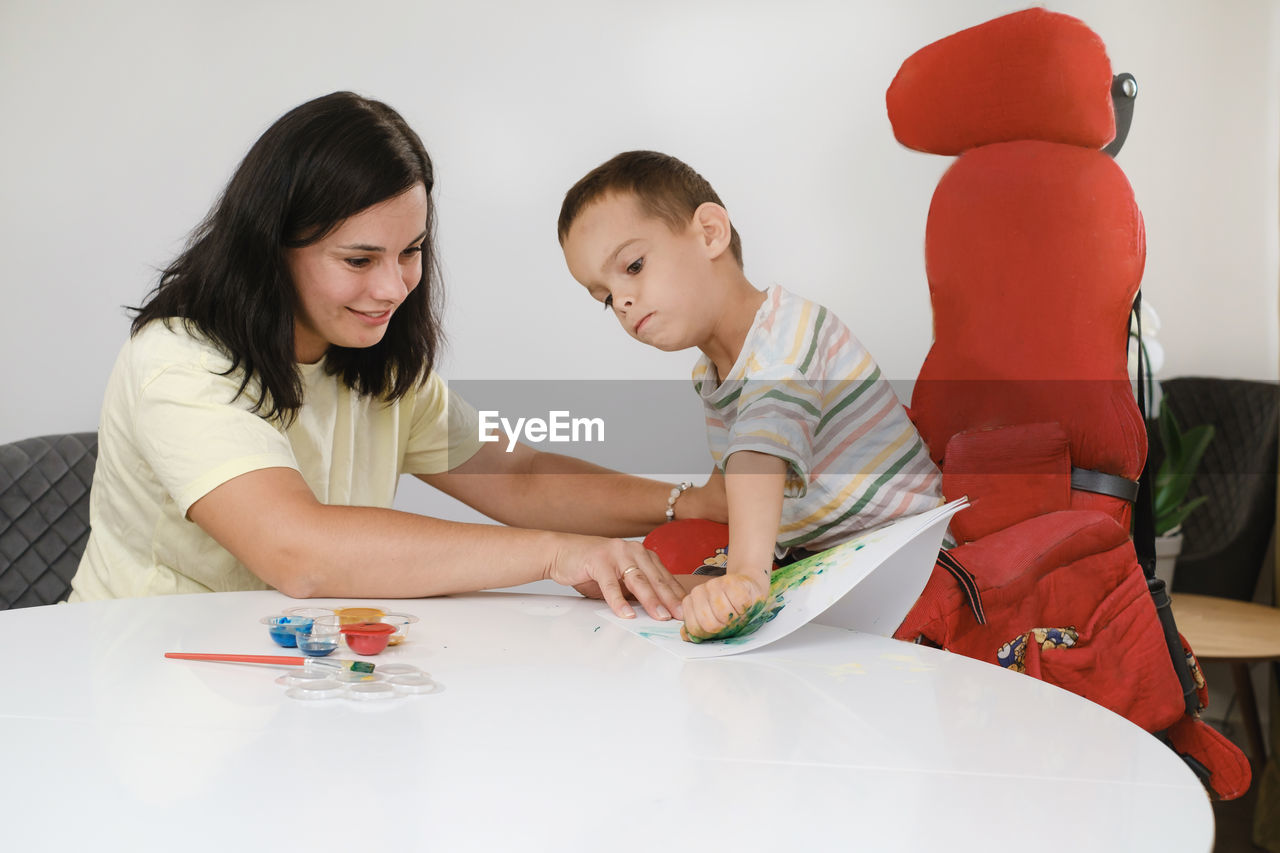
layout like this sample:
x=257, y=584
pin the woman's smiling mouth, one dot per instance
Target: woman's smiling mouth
x=373, y=318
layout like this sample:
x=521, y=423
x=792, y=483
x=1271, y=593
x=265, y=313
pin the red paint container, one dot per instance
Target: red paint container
x=368, y=638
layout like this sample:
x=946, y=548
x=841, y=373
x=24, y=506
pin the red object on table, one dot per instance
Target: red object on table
x=689, y=544
x=368, y=638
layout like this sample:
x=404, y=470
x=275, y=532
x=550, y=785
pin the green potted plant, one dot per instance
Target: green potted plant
x=1182, y=454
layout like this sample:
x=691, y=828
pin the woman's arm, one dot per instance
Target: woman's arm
x=547, y=491
x=272, y=523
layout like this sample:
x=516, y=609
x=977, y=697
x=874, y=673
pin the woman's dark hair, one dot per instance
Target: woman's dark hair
x=316, y=166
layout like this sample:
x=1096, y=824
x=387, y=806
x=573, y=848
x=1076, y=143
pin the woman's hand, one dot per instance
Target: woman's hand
x=610, y=568
x=726, y=606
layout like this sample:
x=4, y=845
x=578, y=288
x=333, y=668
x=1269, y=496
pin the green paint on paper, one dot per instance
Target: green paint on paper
x=801, y=572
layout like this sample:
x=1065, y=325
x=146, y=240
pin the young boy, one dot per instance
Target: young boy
x=813, y=444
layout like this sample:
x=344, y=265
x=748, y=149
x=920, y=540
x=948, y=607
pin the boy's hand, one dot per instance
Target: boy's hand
x=727, y=606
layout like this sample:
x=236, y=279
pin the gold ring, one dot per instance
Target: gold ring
x=628, y=571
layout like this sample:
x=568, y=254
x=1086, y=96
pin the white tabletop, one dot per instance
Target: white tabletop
x=556, y=730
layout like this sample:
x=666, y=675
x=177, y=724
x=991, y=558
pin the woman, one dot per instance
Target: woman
x=278, y=381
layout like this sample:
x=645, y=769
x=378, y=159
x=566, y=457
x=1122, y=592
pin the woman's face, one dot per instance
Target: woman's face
x=349, y=284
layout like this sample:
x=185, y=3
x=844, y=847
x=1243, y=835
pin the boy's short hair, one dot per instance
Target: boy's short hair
x=667, y=189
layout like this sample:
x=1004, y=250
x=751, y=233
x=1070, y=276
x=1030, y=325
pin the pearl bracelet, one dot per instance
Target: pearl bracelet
x=671, y=499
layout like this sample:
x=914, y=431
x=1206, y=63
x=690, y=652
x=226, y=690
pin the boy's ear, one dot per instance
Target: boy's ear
x=712, y=222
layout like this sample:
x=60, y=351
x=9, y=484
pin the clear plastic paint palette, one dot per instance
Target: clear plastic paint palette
x=293, y=679
x=391, y=669
x=319, y=631
x=401, y=622
x=413, y=684
x=365, y=688
x=308, y=612
x=321, y=637
x=310, y=691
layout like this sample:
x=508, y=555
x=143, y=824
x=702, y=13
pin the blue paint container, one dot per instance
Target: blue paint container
x=284, y=629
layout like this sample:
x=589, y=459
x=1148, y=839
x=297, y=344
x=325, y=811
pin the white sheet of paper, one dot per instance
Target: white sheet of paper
x=866, y=584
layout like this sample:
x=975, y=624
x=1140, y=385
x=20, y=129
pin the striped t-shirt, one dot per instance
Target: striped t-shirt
x=805, y=390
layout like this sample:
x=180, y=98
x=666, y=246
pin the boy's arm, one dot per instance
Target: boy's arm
x=754, y=484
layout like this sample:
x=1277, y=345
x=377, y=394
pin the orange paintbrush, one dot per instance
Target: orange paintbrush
x=279, y=660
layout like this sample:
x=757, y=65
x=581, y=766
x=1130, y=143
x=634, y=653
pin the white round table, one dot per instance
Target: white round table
x=556, y=730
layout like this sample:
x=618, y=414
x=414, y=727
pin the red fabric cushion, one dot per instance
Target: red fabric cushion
x=1230, y=773
x=1009, y=474
x=1029, y=75
x=1064, y=570
x=684, y=545
x=1034, y=252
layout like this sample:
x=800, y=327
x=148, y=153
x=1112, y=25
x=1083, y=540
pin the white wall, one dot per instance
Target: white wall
x=120, y=122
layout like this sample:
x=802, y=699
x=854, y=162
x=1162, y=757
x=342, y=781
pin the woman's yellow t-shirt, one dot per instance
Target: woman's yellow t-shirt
x=172, y=430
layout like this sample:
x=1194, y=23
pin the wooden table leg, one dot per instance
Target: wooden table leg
x=1249, y=711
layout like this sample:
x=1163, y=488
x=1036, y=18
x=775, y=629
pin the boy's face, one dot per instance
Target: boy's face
x=657, y=281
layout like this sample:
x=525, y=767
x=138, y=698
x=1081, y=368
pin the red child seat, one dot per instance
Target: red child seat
x=1034, y=251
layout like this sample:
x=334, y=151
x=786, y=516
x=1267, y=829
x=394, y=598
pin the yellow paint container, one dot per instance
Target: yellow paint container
x=354, y=615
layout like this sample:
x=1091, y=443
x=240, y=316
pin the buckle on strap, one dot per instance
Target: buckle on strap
x=1102, y=483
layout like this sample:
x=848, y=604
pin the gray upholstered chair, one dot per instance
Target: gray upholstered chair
x=1225, y=541
x=44, y=515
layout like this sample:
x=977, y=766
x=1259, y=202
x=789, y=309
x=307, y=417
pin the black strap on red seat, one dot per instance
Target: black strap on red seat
x=1102, y=483
x=1144, y=542
x=968, y=584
